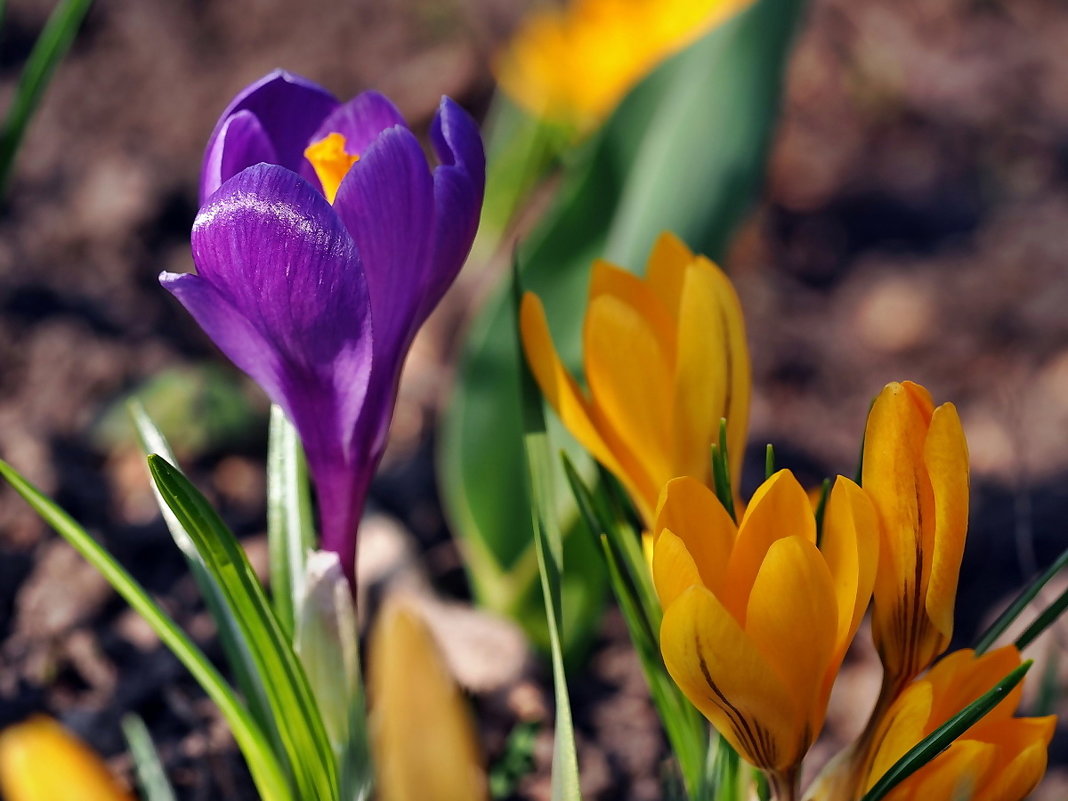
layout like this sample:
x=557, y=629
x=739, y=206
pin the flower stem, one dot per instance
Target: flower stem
x=784, y=784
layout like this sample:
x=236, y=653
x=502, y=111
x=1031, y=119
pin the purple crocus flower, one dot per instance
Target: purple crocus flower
x=323, y=242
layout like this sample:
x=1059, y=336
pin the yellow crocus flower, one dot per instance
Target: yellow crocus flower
x=573, y=64
x=42, y=761
x=1000, y=758
x=422, y=736
x=757, y=618
x=665, y=359
x=916, y=473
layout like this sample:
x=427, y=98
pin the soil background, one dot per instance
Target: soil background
x=912, y=226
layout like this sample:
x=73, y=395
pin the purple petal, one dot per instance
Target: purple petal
x=360, y=121
x=459, y=186
x=289, y=109
x=387, y=203
x=241, y=142
x=281, y=291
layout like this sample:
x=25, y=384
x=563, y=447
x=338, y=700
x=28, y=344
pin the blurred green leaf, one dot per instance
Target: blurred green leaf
x=263, y=765
x=200, y=407
x=684, y=152
x=1020, y=603
x=150, y=774
x=50, y=48
x=305, y=744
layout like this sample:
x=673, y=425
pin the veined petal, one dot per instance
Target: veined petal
x=691, y=510
x=628, y=373
x=779, y=508
x=41, y=761
x=564, y=395
x=904, y=501
x=459, y=187
x=945, y=456
x=850, y=544
x=360, y=121
x=674, y=570
x=725, y=676
x=289, y=109
x=240, y=143
x=792, y=618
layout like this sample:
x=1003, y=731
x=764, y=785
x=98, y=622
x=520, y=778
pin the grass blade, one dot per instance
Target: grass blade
x=550, y=549
x=48, y=51
x=1028, y=594
x=290, y=528
x=265, y=769
x=233, y=642
x=304, y=740
x=150, y=774
x=942, y=737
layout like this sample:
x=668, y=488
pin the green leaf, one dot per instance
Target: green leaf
x=150, y=774
x=941, y=738
x=684, y=152
x=266, y=772
x=304, y=741
x=550, y=550
x=238, y=656
x=1013, y=611
x=50, y=48
x=290, y=525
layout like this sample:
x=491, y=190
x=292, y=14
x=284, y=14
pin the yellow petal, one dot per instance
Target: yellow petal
x=666, y=270
x=1021, y=758
x=946, y=459
x=955, y=774
x=628, y=373
x=779, y=508
x=702, y=373
x=850, y=545
x=739, y=374
x=693, y=512
x=724, y=675
x=959, y=678
x=563, y=394
x=607, y=279
x=792, y=618
x=674, y=570
x=422, y=737
x=41, y=761
x=904, y=725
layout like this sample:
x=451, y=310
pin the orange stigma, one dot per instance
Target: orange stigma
x=331, y=162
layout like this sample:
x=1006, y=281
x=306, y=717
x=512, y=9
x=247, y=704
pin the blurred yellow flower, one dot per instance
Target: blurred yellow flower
x=42, y=761
x=1000, y=758
x=665, y=359
x=916, y=473
x=757, y=618
x=422, y=737
x=573, y=64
